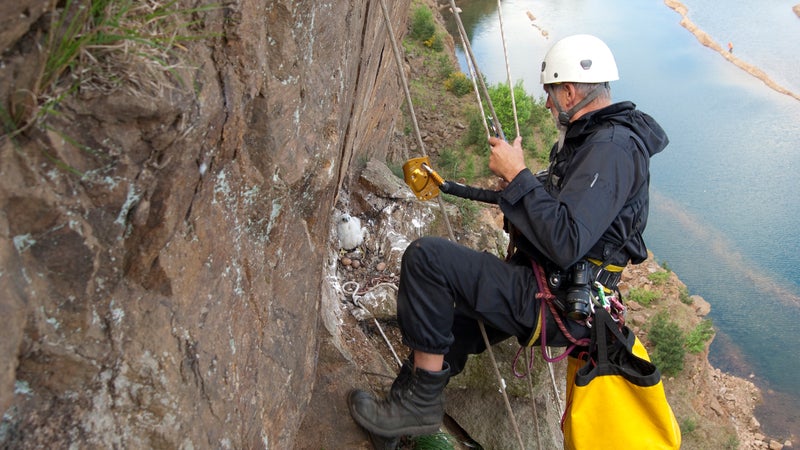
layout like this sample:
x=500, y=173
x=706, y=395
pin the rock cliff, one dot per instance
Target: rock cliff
x=163, y=239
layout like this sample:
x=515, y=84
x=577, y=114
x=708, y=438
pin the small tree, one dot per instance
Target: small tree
x=422, y=24
x=503, y=106
x=668, y=340
x=697, y=338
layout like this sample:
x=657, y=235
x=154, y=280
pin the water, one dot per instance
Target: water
x=724, y=209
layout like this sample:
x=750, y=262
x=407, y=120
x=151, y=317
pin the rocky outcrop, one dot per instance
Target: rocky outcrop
x=163, y=247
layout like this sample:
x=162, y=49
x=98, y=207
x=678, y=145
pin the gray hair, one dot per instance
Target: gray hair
x=603, y=89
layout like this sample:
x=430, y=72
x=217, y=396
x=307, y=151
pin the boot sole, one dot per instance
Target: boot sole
x=414, y=430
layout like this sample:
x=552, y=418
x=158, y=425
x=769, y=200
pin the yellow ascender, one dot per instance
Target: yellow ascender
x=421, y=178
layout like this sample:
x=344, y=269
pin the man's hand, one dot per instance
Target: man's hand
x=506, y=161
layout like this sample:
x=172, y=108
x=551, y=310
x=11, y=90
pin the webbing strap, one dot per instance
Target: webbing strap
x=608, y=267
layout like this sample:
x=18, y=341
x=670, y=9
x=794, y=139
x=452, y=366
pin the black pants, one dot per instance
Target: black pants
x=445, y=288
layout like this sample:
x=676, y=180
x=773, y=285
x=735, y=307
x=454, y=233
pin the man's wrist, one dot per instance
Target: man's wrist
x=516, y=173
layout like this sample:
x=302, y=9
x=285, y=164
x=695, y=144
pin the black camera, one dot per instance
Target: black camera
x=579, y=294
x=578, y=284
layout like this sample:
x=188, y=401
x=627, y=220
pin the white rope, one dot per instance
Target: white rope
x=529, y=364
x=553, y=379
x=508, y=66
x=473, y=77
x=475, y=74
x=471, y=58
x=357, y=301
x=400, y=70
x=472, y=66
x=502, y=385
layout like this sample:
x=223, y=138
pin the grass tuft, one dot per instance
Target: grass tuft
x=103, y=46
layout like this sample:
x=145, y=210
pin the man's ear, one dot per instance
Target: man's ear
x=570, y=95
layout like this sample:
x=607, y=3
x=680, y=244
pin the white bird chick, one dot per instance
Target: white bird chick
x=351, y=235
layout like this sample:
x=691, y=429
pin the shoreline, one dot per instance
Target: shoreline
x=707, y=41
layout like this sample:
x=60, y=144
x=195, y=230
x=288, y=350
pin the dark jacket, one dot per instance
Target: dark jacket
x=595, y=195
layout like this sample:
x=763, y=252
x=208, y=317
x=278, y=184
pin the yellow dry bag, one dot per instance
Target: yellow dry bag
x=615, y=398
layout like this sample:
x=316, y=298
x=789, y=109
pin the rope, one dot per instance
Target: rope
x=533, y=402
x=357, y=302
x=474, y=72
x=471, y=60
x=545, y=349
x=553, y=380
x=508, y=66
x=399, y=61
x=473, y=77
x=472, y=64
x=502, y=385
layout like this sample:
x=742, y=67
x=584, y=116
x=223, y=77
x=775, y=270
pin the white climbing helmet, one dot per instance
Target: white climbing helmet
x=581, y=58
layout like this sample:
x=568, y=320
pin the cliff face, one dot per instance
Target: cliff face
x=162, y=246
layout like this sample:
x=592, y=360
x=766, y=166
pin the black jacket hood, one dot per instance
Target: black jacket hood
x=626, y=114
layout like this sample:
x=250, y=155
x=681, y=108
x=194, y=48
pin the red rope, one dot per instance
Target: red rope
x=547, y=298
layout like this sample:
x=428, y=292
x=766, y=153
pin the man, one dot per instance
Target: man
x=585, y=217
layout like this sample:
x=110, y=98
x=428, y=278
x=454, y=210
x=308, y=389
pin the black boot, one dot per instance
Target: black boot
x=414, y=406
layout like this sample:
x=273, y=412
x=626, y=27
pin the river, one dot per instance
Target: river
x=724, y=210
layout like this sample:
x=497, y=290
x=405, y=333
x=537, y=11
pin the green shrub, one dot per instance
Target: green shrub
x=732, y=443
x=458, y=84
x=456, y=165
x=503, y=106
x=643, y=296
x=467, y=209
x=104, y=45
x=435, y=42
x=438, y=441
x=423, y=27
x=686, y=299
x=535, y=122
x=444, y=65
x=697, y=338
x=688, y=425
x=659, y=278
x=668, y=340
x=476, y=133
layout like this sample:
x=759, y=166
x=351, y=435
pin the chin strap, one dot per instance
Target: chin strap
x=565, y=116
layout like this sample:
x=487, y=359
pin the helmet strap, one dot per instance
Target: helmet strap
x=565, y=116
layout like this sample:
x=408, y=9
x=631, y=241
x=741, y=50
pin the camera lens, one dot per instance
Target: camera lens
x=578, y=298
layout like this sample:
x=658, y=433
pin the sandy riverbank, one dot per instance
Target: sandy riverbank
x=706, y=40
